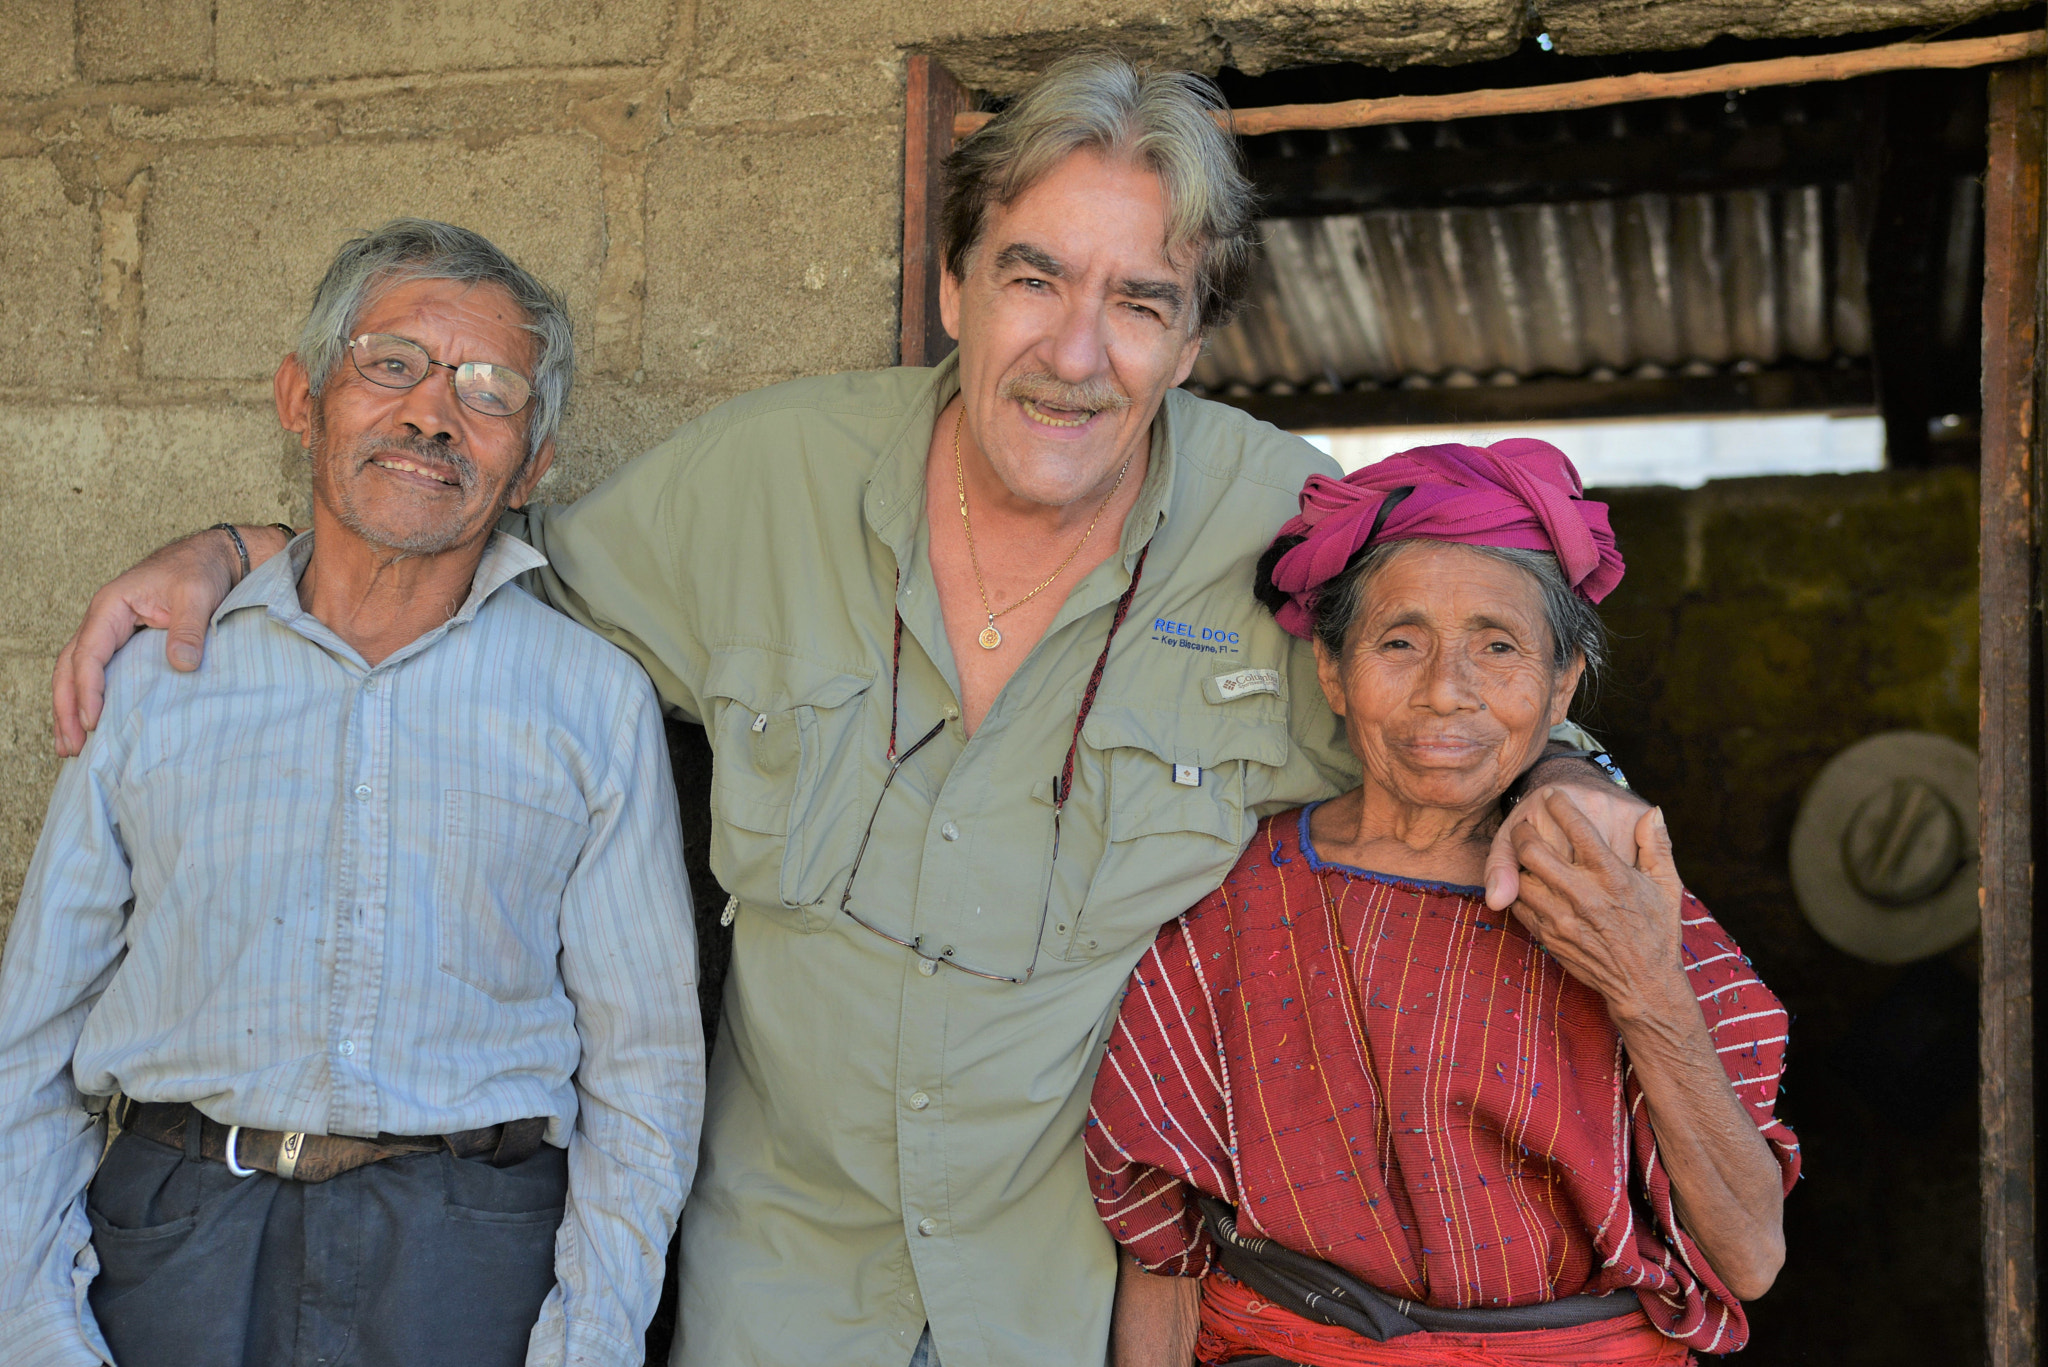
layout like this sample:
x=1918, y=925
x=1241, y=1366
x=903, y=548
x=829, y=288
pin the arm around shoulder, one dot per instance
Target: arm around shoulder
x=176, y=588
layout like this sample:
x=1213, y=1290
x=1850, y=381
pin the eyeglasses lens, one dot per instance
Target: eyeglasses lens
x=490, y=388
x=389, y=361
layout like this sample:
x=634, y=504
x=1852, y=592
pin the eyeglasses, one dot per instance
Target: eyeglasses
x=399, y=363
x=1063, y=782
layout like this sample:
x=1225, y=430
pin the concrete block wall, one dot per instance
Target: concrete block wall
x=175, y=173
x=715, y=185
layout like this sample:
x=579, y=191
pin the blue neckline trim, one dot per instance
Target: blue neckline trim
x=1319, y=864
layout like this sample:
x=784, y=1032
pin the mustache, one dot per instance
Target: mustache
x=1093, y=396
x=426, y=449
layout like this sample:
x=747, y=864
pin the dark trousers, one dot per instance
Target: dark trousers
x=423, y=1261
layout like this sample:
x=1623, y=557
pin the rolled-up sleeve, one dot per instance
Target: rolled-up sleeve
x=628, y=962
x=66, y=943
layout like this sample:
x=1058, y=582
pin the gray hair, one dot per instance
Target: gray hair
x=421, y=249
x=1165, y=120
x=1575, y=626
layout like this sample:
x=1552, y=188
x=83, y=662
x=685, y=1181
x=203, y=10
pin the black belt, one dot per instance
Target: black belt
x=316, y=1157
x=1327, y=1294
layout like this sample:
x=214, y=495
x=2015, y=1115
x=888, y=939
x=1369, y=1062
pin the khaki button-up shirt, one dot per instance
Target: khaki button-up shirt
x=887, y=1146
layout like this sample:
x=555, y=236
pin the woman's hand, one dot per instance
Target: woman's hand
x=1617, y=928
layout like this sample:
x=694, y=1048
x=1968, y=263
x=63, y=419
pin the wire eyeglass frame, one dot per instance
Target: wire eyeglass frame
x=1062, y=785
x=468, y=379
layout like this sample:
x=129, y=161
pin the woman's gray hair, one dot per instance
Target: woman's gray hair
x=421, y=249
x=1165, y=120
x=1575, y=625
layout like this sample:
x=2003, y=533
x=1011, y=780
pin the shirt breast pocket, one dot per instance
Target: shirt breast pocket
x=498, y=885
x=781, y=728
x=1178, y=817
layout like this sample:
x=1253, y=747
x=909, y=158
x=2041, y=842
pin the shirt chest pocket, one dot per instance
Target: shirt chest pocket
x=781, y=728
x=1178, y=816
x=498, y=883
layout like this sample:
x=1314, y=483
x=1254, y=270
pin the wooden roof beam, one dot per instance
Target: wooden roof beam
x=1606, y=90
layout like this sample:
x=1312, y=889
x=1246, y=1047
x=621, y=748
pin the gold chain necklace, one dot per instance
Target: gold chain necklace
x=990, y=637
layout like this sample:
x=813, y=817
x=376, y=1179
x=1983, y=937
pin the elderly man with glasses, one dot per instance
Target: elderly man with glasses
x=377, y=925
x=989, y=700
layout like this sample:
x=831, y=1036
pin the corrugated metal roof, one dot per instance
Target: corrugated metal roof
x=1649, y=284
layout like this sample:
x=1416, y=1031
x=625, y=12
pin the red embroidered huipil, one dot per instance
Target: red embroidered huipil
x=1386, y=1075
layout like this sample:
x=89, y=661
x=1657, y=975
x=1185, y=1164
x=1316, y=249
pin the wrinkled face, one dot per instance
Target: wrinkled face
x=1073, y=324
x=414, y=470
x=1446, y=685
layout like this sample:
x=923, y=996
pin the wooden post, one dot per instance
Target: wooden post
x=2010, y=698
x=933, y=99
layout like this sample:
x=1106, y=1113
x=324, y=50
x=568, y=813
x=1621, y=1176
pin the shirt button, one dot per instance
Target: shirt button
x=362, y=792
x=950, y=831
x=346, y=1048
x=918, y=1101
x=927, y=1226
x=370, y=684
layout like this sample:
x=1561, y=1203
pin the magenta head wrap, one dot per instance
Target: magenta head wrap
x=1519, y=493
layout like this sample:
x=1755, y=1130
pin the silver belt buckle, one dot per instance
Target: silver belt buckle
x=288, y=1153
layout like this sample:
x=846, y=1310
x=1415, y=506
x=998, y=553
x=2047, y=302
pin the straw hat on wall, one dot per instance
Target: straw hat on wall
x=1884, y=851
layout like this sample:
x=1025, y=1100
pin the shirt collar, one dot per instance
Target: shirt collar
x=274, y=585
x=1148, y=514
x=895, y=494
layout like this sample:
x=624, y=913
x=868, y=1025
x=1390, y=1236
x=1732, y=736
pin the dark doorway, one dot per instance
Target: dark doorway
x=1801, y=250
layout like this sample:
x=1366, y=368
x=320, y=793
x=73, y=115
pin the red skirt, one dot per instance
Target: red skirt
x=1237, y=1324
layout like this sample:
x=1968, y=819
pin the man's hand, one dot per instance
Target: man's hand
x=1613, y=924
x=1613, y=810
x=177, y=589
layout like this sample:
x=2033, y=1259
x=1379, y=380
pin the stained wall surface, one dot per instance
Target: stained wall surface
x=715, y=184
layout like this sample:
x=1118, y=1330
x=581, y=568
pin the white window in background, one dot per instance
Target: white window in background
x=1682, y=452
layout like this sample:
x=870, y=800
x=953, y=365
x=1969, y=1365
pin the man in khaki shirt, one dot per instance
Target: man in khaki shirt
x=989, y=701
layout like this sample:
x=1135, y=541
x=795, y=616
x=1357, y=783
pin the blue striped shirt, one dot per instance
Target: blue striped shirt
x=307, y=894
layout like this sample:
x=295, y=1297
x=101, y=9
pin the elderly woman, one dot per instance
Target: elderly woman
x=1348, y=1115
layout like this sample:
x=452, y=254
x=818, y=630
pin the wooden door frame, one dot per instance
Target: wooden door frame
x=2012, y=589
x=932, y=98
x=2010, y=700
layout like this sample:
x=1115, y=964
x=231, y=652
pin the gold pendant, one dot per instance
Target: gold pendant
x=990, y=637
